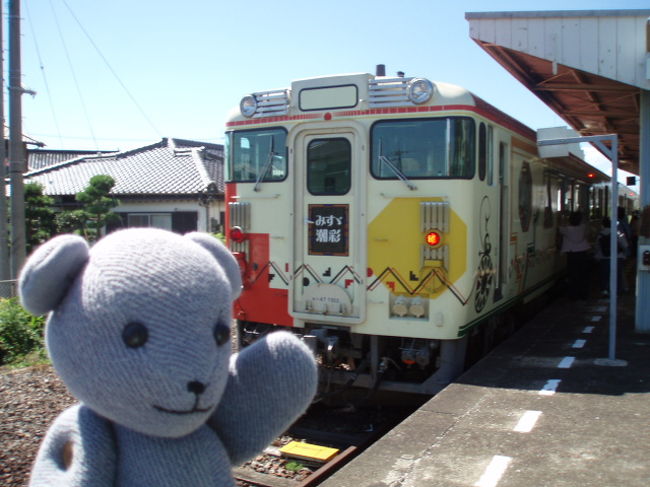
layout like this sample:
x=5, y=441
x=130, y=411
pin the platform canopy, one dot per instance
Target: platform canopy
x=589, y=66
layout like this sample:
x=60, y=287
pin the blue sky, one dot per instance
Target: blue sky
x=121, y=74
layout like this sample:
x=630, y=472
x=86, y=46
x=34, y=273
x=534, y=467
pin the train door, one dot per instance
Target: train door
x=504, y=232
x=328, y=254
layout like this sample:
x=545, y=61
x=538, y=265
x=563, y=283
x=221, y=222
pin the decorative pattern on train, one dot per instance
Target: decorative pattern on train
x=485, y=271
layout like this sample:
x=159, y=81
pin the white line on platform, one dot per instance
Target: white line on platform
x=566, y=363
x=527, y=421
x=550, y=387
x=596, y=318
x=599, y=309
x=494, y=471
x=579, y=343
x=588, y=329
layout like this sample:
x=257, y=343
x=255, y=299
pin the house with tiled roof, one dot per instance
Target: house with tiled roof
x=175, y=184
x=41, y=158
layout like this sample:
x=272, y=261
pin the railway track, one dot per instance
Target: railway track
x=246, y=477
x=350, y=431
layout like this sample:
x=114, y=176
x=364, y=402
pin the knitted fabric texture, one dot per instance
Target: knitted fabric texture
x=139, y=331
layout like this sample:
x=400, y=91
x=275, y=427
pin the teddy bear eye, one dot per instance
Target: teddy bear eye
x=221, y=334
x=135, y=334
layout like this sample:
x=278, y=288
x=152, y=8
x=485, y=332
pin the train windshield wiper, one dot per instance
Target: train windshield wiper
x=267, y=166
x=400, y=175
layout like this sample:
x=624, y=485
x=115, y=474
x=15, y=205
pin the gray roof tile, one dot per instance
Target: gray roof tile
x=41, y=158
x=169, y=167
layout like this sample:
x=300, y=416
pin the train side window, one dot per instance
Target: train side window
x=329, y=166
x=423, y=148
x=490, y=155
x=525, y=196
x=482, y=151
x=486, y=153
x=548, y=203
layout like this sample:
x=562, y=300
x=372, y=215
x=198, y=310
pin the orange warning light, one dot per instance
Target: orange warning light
x=432, y=238
x=591, y=175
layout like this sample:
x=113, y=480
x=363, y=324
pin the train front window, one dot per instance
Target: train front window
x=329, y=166
x=424, y=148
x=258, y=156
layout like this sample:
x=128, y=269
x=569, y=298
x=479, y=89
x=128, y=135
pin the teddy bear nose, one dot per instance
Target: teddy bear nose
x=196, y=387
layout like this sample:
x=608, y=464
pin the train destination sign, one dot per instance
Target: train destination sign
x=328, y=230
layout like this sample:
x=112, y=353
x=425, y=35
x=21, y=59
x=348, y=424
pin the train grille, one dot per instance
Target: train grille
x=271, y=103
x=240, y=216
x=434, y=215
x=440, y=254
x=388, y=92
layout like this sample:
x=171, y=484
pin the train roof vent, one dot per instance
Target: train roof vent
x=388, y=92
x=395, y=92
x=271, y=103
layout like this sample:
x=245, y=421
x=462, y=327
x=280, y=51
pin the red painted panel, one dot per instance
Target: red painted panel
x=260, y=302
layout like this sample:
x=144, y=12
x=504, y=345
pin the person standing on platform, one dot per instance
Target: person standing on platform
x=576, y=246
x=602, y=255
x=624, y=226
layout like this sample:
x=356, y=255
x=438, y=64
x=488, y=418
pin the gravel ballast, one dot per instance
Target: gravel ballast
x=30, y=399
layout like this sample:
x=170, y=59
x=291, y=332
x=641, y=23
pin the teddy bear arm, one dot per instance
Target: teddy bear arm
x=271, y=383
x=77, y=451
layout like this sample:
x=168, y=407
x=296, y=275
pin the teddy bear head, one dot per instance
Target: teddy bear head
x=139, y=328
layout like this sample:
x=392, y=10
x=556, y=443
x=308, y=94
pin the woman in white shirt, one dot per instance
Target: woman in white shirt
x=576, y=247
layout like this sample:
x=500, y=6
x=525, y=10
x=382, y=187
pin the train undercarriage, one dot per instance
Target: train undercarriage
x=396, y=364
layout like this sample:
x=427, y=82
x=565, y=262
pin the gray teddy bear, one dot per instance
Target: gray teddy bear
x=139, y=331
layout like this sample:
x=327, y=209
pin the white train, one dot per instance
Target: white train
x=393, y=222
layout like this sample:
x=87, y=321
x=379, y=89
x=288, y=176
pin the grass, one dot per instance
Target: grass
x=21, y=336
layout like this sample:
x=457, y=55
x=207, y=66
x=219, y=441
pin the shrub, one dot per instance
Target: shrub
x=20, y=332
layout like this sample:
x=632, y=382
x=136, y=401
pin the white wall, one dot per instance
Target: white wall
x=167, y=206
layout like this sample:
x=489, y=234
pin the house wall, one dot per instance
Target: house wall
x=207, y=217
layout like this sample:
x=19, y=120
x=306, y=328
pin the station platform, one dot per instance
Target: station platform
x=537, y=411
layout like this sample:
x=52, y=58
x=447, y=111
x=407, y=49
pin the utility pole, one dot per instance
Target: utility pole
x=5, y=273
x=16, y=147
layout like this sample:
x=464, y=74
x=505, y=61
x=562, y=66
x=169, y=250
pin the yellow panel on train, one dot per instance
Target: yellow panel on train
x=395, y=238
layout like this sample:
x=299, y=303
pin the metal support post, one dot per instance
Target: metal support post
x=612, y=153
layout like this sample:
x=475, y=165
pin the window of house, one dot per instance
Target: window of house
x=156, y=220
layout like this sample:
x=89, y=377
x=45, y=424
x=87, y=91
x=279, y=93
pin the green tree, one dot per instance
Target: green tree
x=70, y=221
x=97, y=205
x=40, y=222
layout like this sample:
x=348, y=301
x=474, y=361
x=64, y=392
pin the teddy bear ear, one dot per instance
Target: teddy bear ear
x=48, y=273
x=223, y=256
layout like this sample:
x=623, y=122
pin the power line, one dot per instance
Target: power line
x=74, y=75
x=110, y=68
x=42, y=67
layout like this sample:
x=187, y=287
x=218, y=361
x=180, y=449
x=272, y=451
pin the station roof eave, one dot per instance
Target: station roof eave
x=590, y=103
x=576, y=167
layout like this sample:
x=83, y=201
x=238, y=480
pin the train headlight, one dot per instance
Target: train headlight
x=248, y=106
x=237, y=234
x=420, y=90
x=433, y=238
